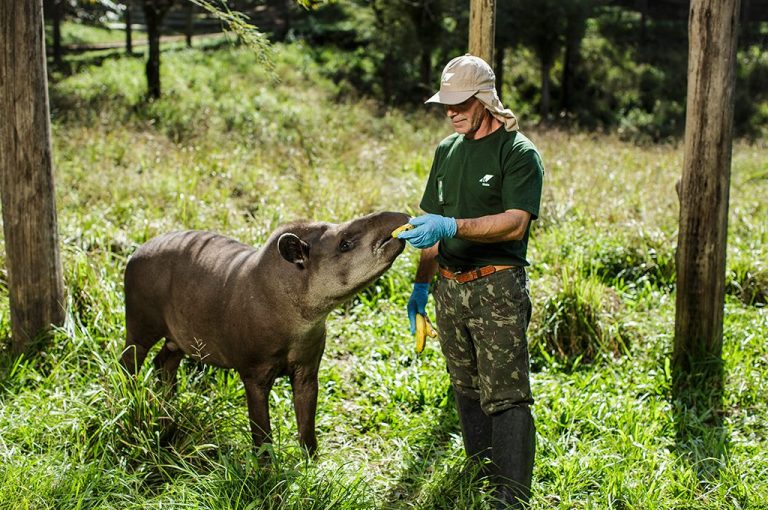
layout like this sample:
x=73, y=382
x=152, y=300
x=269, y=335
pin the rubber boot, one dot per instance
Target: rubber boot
x=513, y=451
x=475, y=430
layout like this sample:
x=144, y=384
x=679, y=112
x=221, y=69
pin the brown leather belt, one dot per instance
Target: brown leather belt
x=473, y=274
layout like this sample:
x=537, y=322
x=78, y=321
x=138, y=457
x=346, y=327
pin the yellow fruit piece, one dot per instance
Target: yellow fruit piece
x=423, y=330
x=403, y=228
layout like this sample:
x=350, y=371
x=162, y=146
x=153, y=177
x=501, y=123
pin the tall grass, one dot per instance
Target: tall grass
x=230, y=149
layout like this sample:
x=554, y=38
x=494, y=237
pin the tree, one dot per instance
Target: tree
x=29, y=211
x=577, y=12
x=154, y=12
x=540, y=25
x=407, y=33
x=426, y=16
x=704, y=187
x=54, y=10
x=128, y=28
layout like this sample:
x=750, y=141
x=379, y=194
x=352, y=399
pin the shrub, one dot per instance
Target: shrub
x=665, y=121
x=748, y=281
x=579, y=322
x=634, y=262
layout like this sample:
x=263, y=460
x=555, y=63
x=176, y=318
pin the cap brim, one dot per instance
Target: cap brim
x=456, y=97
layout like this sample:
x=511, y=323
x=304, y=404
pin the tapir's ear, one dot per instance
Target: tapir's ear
x=293, y=249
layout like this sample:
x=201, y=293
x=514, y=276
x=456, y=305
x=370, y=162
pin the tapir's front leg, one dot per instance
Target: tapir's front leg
x=304, y=383
x=257, y=394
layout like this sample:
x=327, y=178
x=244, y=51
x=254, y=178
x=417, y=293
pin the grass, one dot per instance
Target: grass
x=230, y=149
x=73, y=33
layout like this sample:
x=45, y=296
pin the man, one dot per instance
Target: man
x=483, y=191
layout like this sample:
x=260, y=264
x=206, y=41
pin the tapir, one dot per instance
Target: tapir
x=260, y=311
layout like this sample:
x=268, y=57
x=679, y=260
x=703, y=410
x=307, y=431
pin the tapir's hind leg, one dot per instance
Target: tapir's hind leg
x=167, y=364
x=138, y=342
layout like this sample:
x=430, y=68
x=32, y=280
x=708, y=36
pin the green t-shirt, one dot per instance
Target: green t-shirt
x=473, y=178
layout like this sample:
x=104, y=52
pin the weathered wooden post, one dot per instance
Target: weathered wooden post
x=482, y=28
x=29, y=212
x=704, y=187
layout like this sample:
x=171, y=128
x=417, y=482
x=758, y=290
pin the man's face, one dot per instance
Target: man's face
x=466, y=117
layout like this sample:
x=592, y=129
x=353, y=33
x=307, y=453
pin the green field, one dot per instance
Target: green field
x=233, y=149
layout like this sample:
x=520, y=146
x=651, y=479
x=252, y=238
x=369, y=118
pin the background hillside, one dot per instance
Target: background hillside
x=616, y=66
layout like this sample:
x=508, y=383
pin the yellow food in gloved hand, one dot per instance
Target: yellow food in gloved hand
x=403, y=228
x=423, y=330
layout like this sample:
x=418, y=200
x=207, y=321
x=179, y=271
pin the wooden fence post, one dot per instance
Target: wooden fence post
x=705, y=185
x=29, y=212
x=482, y=28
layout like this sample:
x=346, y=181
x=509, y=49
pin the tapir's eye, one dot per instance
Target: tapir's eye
x=346, y=245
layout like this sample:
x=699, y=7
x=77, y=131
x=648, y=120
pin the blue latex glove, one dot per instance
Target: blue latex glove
x=429, y=229
x=417, y=303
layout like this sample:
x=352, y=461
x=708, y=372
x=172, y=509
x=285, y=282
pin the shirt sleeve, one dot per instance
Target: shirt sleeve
x=523, y=180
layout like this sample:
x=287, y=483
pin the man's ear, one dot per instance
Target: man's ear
x=293, y=249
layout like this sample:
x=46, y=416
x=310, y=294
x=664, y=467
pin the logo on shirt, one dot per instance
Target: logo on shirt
x=486, y=180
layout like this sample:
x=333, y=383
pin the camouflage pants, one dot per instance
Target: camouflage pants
x=482, y=327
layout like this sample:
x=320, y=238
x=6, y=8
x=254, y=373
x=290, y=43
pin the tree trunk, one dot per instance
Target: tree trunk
x=128, y=29
x=482, y=21
x=56, y=15
x=29, y=212
x=189, y=24
x=748, y=28
x=569, y=70
x=546, y=67
x=575, y=29
x=498, y=69
x=426, y=45
x=704, y=186
x=388, y=82
x=153, y=15
x=426, y=68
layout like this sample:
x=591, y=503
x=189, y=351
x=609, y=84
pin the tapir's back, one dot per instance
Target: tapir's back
x=180, y=262
x=184, y=283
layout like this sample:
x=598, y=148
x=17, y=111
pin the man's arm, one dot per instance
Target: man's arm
x=507, y=226
x=427, y=264
x=430, y=228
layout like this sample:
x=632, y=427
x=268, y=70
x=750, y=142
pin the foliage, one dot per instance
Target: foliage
x=579, y=322
x=622, y=74
x=605, y=66
x=748, y=280
x=398, y=44
x=230, y=149
x=237, y=23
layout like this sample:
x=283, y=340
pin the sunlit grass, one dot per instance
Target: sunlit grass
x=80, y=33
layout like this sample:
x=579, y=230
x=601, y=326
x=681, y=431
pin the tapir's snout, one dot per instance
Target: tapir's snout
x=389, y=219
x=384, y=224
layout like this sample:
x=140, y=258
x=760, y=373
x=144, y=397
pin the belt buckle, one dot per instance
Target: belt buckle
x=471, y=275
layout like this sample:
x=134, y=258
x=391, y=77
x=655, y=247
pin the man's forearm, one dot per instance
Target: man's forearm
x=427, y=265
x=507, y=226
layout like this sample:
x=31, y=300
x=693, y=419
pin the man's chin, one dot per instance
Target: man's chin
x=460, y=127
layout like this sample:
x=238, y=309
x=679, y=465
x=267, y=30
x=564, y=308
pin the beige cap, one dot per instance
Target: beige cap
x=462, y=78
x=468, y=76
